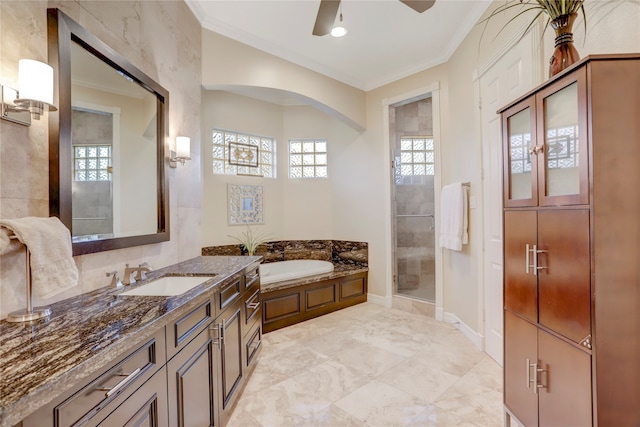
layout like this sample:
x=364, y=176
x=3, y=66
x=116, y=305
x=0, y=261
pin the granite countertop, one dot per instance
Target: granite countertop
x=41, y=360
x=339, y=270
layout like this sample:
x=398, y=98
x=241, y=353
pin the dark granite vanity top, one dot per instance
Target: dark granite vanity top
x=41, y=360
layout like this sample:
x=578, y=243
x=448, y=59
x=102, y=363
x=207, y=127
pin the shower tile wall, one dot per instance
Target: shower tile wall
x=414, y=195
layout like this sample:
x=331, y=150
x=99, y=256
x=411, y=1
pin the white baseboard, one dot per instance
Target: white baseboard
x=377, y=299
x=440, y=314
x=475, y=338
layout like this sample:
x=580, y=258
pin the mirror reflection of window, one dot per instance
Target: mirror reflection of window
x=114, y=195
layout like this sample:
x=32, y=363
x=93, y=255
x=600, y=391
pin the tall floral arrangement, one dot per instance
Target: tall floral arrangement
x=553, y=9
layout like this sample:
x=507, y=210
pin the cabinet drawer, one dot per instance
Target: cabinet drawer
x=146, y=407
x=180, y=332
x=95, y=399
x=251, y=276
x=253, y=344
x=229, y=292
x=252, y=307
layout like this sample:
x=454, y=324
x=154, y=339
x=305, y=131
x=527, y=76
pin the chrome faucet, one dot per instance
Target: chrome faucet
x=133, y=274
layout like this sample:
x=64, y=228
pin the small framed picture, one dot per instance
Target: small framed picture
x=243, y=154
x=245, y=204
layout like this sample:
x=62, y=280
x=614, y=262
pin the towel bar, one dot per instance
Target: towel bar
x=30, y=313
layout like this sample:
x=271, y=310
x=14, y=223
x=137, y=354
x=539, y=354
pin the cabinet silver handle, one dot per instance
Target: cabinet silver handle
x=253, y=305
x=537, y=251
x=115, y=388
x=217, y=328
x=526, y=270
x=536, y=386
x=529, y=365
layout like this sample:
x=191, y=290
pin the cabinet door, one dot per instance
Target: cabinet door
x=520, y=353
x=520, y=160
x=230, y=371
x=563, y=169
x=564, y=280
x=190, y=378
x=565, y=398
x=520, y=283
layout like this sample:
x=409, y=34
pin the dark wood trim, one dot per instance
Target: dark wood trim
x=62, y=31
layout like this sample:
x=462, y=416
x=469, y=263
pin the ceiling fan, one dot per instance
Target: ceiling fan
x=329, y=9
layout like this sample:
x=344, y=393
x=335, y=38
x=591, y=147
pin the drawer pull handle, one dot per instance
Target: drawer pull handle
x=115, y=388
x=218, y=328
x=256, y=344
x=253, y=305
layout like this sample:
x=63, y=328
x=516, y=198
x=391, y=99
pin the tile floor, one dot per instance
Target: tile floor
x=369, y=365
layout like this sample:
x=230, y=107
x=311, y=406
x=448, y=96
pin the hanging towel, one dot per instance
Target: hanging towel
x=454, y=216
x=49, y=241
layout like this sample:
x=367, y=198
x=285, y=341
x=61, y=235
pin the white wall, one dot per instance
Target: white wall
x=293, y=209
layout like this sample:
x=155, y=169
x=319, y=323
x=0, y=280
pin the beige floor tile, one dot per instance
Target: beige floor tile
x=372, y=366
x=379, y=404
x=419, y=379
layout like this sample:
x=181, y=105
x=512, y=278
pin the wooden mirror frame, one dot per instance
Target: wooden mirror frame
x=62, y=31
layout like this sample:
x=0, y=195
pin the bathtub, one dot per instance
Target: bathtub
x=287, y=270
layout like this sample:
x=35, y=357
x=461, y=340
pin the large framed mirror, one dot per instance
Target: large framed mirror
x=107, y=164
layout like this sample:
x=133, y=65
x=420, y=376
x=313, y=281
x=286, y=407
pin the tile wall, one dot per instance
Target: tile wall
x=163, y=39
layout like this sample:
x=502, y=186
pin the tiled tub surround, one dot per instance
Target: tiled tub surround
x=340, y=252
x=348, y=258
x=85, y=333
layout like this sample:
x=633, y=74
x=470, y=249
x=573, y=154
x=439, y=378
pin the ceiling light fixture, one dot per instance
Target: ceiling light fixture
x=339, y=30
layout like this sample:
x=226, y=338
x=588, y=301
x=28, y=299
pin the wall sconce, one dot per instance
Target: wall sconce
x=182, y=153
x=34, y=94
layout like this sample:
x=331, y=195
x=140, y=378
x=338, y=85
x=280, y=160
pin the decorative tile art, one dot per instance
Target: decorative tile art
x=244, y=204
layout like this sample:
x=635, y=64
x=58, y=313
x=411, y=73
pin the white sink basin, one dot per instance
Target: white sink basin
x=168, y=286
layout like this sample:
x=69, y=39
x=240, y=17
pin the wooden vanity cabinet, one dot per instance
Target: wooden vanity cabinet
x=190, y=373
x=208, y=372
x=571, y=248
x=132, y=387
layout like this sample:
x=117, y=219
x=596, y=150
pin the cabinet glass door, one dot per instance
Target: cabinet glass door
x=563, y=135
x=519, y=151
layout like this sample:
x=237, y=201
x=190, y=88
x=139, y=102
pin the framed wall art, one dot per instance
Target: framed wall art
x=244, y=204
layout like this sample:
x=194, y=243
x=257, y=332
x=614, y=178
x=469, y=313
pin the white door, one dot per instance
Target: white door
x=503, y=81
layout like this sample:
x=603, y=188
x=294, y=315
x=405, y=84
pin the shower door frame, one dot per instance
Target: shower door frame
x=432, y=90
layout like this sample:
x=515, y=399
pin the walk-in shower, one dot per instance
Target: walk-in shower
x=413, y=201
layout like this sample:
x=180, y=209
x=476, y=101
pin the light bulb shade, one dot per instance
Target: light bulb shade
x=183, y=147
x=35, y=81
x=338, y=31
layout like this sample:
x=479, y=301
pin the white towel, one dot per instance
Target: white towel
x=454, y=216
x=49, y=241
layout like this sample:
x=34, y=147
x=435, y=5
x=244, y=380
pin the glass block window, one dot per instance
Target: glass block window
x=266, y=150
x=519, y=155
x=92, y=163
x=308, y=158
x=562, y=147
x=417, y=157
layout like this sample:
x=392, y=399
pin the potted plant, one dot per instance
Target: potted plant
x=560, y=14
x=249, y=241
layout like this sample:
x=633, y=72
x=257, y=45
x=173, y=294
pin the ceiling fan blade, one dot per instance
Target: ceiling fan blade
x=419, y=5
x=326, y=17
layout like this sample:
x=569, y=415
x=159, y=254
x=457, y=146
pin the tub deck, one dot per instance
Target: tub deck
x=293, y=301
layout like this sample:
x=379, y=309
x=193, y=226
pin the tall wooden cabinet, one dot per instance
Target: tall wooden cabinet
x=572, y=247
